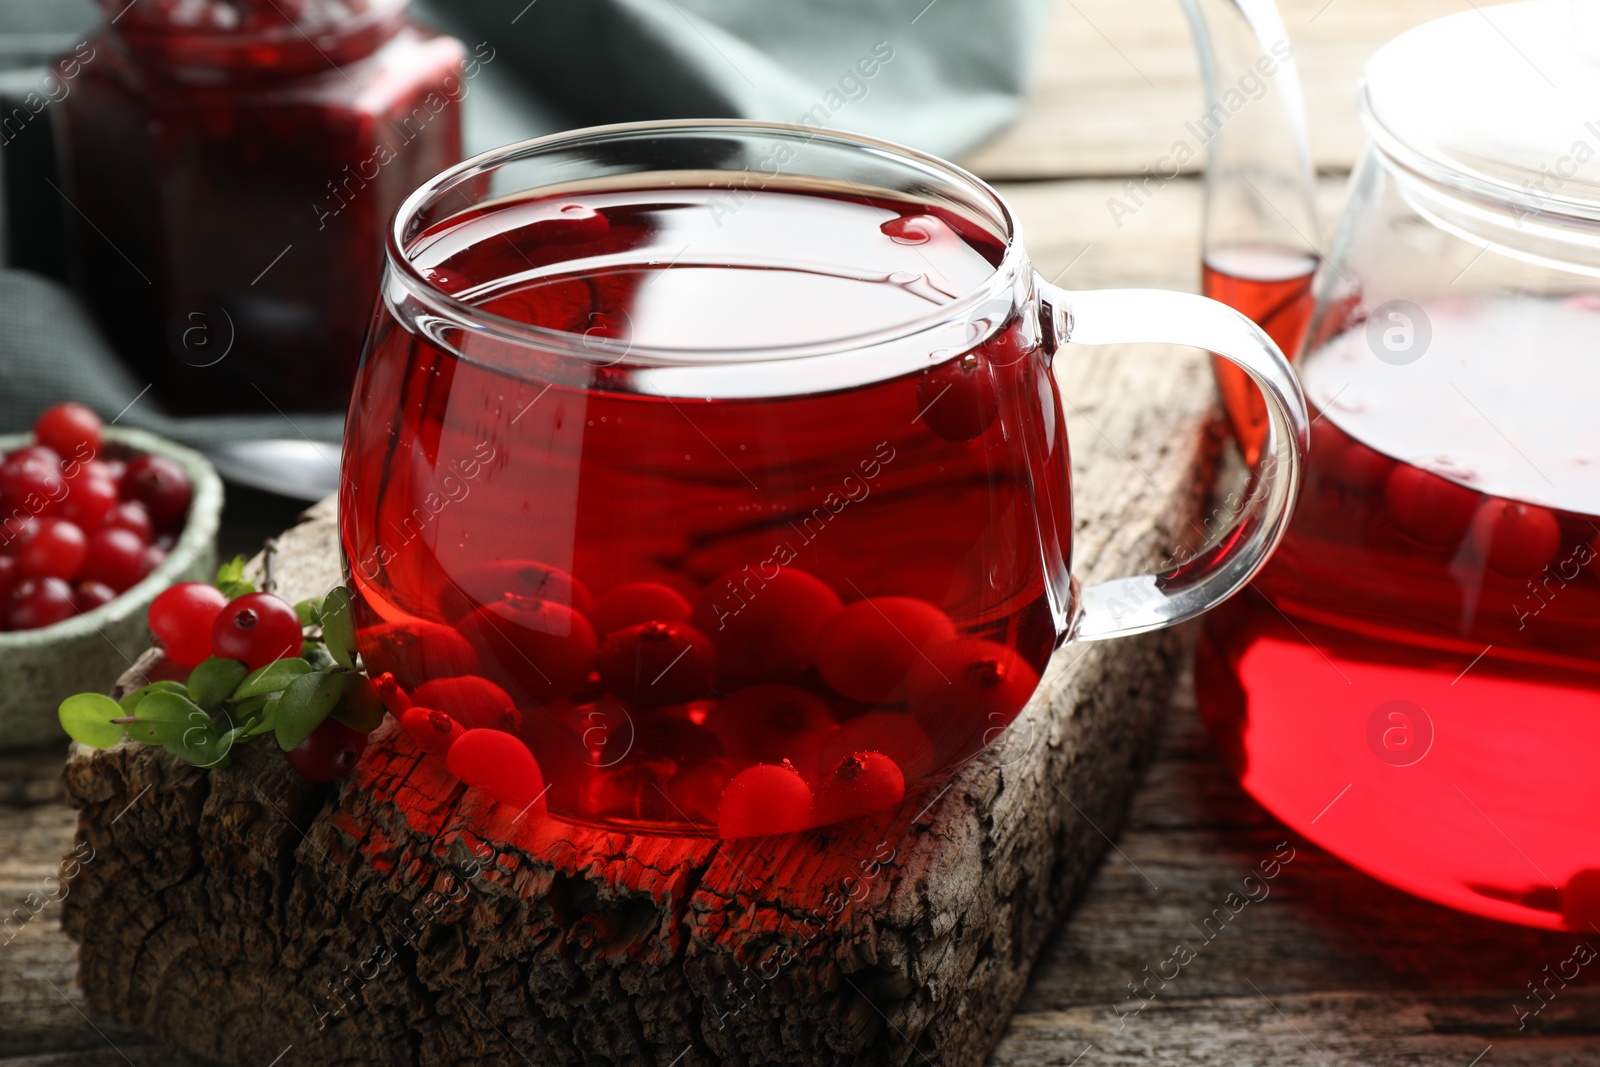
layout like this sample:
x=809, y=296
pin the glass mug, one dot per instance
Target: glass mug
x=710, y=477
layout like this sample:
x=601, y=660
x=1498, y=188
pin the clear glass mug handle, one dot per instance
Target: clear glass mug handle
x=1124, y=606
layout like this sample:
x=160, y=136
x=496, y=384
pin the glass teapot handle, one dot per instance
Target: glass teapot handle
x=1260, y=190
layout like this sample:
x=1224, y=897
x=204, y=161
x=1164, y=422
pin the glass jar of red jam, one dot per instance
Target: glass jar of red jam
x=230, y=166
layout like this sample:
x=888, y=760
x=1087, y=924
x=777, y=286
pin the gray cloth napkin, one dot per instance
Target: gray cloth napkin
x=939, y=76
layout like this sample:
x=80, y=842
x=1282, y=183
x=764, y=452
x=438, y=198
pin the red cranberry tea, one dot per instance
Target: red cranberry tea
x=748, y=609
x=1272, y=286
x=1414, y=682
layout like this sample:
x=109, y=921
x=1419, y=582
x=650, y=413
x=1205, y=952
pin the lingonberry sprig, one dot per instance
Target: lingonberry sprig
x=258, y=666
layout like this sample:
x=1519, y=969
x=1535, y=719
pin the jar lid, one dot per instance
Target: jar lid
x=1499, y=103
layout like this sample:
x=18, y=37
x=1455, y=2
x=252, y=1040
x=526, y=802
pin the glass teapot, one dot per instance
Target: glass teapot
x=1413, y=682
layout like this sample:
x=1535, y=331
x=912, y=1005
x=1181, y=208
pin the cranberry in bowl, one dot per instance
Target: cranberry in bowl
x=95, y=521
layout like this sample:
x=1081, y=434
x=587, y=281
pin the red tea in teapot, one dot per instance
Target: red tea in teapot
x=741, y=613
x=1414, y=680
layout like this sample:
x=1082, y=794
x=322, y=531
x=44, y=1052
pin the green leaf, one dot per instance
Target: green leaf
x=164, y=718
x=338, y=626
x=317, y=656
x=360, y=708
x=268, y=721
x=231, y=579
x=214, y=681
x=304, y=705
x=87, y=717
x=199, y=745
x=309, y=612
x=131, y=701
x=273, y=678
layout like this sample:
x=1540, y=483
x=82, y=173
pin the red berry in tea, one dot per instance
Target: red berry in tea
x=866, y=651
x=394, y=698
x=637, y=602
x=257, y=629
x=52, y=548
x=490, y=583
x=1580, y=900
x=1518, y=540
x=499, y=764
x=959, y=399
x=433, y=730
x=967, y=690
x=69, y=429
x=1429, y=508
x=161, y=485
x=764, y=800
x=771, y=724
x=895, y=734
x=658, y=663
x=416, y=650
x=40, y=602
x=329, y=754
x=538, y=648
x=182, y=617
x=765, y=628
x=472, y=701
x=859, y=783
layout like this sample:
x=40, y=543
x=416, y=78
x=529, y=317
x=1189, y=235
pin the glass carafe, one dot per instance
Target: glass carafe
x=1414, y=680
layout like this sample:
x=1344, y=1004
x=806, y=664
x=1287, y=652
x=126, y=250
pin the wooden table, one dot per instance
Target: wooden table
x=1332, y=967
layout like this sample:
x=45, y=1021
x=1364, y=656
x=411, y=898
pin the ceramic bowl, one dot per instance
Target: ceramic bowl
x=40, y=668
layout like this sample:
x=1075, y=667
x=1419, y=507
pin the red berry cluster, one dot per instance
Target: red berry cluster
x=1511, y=538
x=80, y=527
x=764, y=706
x=194, y=621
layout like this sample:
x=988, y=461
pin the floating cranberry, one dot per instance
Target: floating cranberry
x=115, y=557
x=896, y=735
x=1519, y=540
x=1580, y=900
x=637, y=602
x=765, y=629
x=491, y=583
x=1430, y=509
x=89, y=501
x=772, y=723
x=90, y=595
x=433, y=730
x=257, y=628
x=134, y=517
x=417, y=649
x=539, y=647
x=867, y=650
x=182, y=619
x=571, y=224
x=52, y=548
x=329, y=754
x=967, y=689
x=70, y=429
x=40, y=602
x=161, y=485
x=958, y=399
x=859, y=783
x=500, y=765
x=472, y=701
x=763, y=800
x=656, y=663
x=394, y=698
x=1361, y=469
x=695, y=792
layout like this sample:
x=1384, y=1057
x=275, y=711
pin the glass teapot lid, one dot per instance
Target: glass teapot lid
x=1494, y=113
